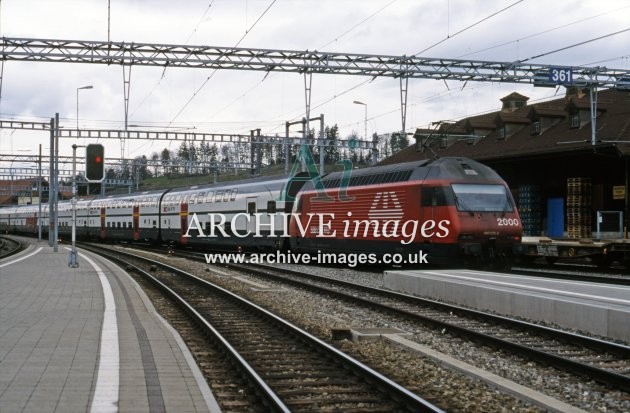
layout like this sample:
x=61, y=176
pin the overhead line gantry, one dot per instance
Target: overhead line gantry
x=306, y=62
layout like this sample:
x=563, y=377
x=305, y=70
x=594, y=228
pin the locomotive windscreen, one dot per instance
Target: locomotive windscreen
x=482, y=198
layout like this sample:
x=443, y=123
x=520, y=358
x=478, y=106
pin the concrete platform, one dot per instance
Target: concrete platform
x=592, y=307
x=88, y=339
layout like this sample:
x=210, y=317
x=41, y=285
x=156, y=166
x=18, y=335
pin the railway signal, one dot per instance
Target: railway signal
x=94, y=162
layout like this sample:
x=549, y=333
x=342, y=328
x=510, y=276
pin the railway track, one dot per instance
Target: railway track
x=604, y=361
x=9, y=246
x=587, y=273
x=287, y=368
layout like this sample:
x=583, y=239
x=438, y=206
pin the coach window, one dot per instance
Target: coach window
x=192, y=199
x=233, y=196
x=251, y=207
x=271, y=207
x=209, y=196
x=226, y=196
x=218, y=196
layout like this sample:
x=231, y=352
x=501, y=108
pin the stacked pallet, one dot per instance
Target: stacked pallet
x=529, y=209
x=579, y=207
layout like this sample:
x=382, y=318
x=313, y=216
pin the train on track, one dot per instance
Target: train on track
x=451, y=209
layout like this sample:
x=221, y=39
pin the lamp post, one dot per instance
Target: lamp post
x=80, y=88
x=72, y=257
x=39, y=194
x=356, y=102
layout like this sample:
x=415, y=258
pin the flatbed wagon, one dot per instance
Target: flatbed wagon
x=601, y=252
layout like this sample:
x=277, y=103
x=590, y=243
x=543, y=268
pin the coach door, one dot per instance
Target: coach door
x=183, y=220
x=252, y=208
x=103, y=230
x=136, y=222
x=433, y=201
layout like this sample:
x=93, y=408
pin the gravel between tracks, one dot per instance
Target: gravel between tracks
x=450, y=390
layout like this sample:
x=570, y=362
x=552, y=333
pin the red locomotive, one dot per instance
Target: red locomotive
x=451, y=209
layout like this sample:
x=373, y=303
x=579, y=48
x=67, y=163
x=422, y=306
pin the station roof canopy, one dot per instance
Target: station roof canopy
x=547, y=129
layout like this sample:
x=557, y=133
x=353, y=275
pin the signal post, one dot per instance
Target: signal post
x=72, y=258
x=94, y=172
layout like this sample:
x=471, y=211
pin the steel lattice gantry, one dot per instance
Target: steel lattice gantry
x=211, y=57
x=183, y=136
x=305, y=62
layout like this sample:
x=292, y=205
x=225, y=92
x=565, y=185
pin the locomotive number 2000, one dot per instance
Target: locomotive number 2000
x=505, y=222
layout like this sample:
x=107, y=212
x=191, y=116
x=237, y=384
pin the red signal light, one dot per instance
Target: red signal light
x=94, y=162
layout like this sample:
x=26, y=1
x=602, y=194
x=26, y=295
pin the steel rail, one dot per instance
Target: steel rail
x=4, y=252
x=601, y=375
x=393, y=389
x=271, y=398
x=571, y=275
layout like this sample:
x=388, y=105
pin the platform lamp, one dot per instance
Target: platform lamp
x=356, y=102
x=80, y=88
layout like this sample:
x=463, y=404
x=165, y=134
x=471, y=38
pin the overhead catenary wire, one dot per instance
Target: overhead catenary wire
x=448, y=36
x=575, y=45
x=364, y=82
x=473, y=25
x=339, y=102
x=247, y=31
x=192, y=33
x=520, y=39
x=611, y=59
x=196, y=92
x=335, y=39
x=357, y=24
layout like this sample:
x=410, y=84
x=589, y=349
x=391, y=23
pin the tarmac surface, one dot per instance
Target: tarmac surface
x=88, y=339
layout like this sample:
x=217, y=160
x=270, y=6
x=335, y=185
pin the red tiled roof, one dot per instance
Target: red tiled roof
x=546, y=111
x=8, y=183
x=612, y=128
x=514, y=96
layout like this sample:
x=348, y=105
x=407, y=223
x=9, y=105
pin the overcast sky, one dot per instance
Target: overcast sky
x=237, y=101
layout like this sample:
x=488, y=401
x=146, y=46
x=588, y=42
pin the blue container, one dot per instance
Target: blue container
x=555, y=217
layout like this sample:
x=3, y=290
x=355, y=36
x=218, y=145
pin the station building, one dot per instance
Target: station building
x=565, y=184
